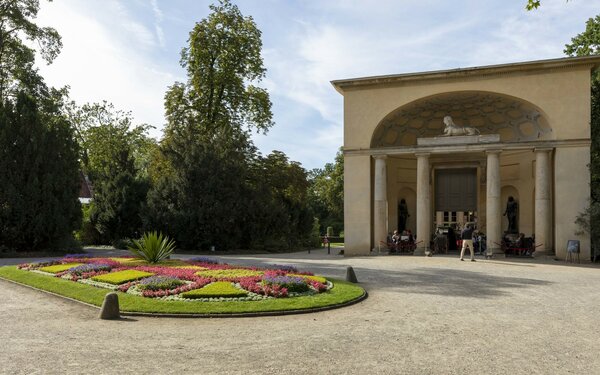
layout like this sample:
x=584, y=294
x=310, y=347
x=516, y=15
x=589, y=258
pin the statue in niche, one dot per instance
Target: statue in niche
x=402, y=215
x=453, y=129
x=511, y=212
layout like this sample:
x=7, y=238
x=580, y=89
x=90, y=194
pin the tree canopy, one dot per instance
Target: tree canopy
x=220, y=102
x=585, y=44
x=40, y=177
x=326, y=193
x=211, y=186
x=17, y=71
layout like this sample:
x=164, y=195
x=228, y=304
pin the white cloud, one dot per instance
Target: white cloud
x=99, y=63
x=125, y=52
x=158, y=16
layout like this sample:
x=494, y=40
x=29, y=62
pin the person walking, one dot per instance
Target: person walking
x=467, y=241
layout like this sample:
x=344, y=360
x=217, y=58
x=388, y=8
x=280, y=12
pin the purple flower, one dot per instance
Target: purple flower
x=160, y=283
x=292, y=284
x=89, y=267
x=203, y=260
x=284, y=267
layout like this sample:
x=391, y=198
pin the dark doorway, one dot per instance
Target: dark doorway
x=456, y=189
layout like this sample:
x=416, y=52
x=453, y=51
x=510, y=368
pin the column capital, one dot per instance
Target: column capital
x=382, y=157
x=422, y=154
x=543, y=149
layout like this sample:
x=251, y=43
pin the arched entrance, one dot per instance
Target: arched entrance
x=514, y=119
x=533, y=121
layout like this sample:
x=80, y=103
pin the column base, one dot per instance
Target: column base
x=421, y=251
x=489, y=253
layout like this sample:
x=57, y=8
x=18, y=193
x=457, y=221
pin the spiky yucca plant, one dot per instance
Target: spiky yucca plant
x=153, y=247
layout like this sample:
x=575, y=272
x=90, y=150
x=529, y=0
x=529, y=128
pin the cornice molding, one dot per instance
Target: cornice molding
x=487, y=147
x=583, y=62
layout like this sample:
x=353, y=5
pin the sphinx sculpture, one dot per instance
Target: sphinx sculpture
x=453, y=129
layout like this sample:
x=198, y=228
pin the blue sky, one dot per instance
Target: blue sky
x=127, y=51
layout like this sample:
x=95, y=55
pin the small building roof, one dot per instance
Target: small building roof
x=592, y=62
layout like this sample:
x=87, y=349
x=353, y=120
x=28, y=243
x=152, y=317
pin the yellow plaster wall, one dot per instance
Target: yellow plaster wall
x=562, y=95
x=571, y=190
x=357, y=204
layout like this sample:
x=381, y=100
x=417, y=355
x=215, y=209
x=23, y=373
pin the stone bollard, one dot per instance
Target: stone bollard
x=110, y=307
x=350, y=275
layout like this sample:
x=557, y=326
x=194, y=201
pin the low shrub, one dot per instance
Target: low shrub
x=216, y=290
x=90, y=267
x=153, y=247
x=292, y=284
x=283, y=267
x=319, y=279
x=206, y=260
x=121, y=277
x=274, y=290
x=160, y=283
x=229, y=273
x=178, y=290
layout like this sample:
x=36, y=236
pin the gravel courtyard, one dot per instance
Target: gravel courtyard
x=423, y=316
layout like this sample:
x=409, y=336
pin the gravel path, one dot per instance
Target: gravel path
x=423, y=316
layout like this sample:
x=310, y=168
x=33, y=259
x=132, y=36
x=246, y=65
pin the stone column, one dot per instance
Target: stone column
x=493, y=215
x=543, y=202
x=423, y=204
x=380, y=229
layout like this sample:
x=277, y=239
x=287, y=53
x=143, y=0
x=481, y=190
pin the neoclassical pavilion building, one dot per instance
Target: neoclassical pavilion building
x=533, y=120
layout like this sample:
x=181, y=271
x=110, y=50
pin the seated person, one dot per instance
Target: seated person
x=440, y=242
x=410, y=239
x=520, y=241
x=395, y=241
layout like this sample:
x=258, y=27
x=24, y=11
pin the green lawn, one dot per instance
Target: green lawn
x=341, y=292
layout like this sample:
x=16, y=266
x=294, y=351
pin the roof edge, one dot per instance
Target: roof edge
x=592, y=61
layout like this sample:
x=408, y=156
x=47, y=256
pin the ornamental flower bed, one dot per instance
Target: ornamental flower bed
x=198, y=279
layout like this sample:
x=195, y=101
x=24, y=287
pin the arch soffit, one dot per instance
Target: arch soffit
x=515, y=119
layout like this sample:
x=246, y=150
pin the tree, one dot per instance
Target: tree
x=39, y=187
x=17, y=72
x=115, y=154
x=203, y=192
x=585, y=44
x=280, y=213
x=326, y=193
x=119, y=200
x=533, y=4
x=103, y=132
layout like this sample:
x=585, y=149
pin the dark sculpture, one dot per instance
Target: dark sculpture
x=511, y=212
x=402, y=215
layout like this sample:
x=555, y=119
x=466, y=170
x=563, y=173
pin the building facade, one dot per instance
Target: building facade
x=526, y=145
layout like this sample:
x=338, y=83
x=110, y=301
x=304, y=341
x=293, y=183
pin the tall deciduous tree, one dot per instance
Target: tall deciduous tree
x=202, y=196
x=219, y=103
x=17, y=71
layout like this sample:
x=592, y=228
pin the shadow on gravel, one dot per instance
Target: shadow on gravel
x=453, y=282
